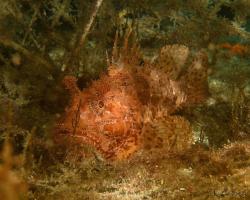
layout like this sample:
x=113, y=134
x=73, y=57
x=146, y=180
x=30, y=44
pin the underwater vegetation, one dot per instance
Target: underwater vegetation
x=124, y=99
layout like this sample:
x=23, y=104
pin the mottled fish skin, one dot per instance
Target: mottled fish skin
x=194, y=82
x=117, y=113
x=172, y=59
x=109, y=115
x=187, y=73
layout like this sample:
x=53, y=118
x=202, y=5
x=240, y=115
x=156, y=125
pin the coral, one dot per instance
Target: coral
x=112, y=112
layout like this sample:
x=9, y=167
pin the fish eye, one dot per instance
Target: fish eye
x=100, y=104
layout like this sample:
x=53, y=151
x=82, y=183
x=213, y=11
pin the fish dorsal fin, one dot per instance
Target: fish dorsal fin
x=172, y=59
x=194, y=80
x=126, y=49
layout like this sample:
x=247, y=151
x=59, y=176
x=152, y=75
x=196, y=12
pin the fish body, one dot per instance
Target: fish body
x=113, y=114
